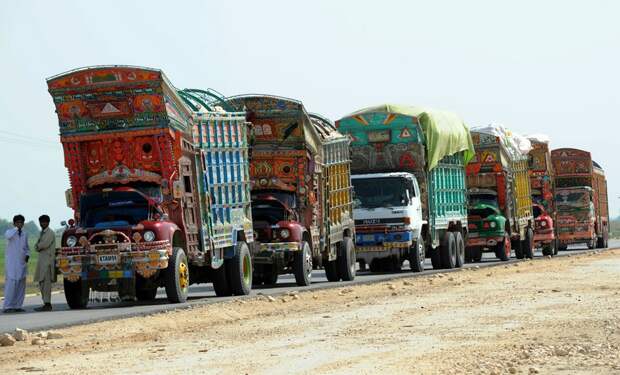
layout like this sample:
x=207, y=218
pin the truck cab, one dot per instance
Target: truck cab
x=487, y=224
x=388, y=217
x=576, y=222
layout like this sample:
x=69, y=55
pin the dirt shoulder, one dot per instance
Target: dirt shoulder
x=550, y=316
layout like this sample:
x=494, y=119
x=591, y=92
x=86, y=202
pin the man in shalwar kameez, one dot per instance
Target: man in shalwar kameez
x=16, y=259
x=45, y=274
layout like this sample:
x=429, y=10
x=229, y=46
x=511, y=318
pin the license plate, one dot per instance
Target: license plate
x=107, y=259
x=368, y=237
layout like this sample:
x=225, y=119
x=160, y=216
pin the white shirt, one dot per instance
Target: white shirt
x=16, y=251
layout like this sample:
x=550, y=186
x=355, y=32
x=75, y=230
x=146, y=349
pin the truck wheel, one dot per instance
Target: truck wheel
x=346, y=260
x=239, y=270
x=460, y=249
x=436, y=258
x=417, y=256
x=177, y=277
x=448, y=251
x=502, y=251
x=302, y=265
x=592, y=244
x=331, y=270
x=76, y=293
x=375, y=265
x=476, y=254
x=528, y=244
x=518, y=246
x=220, y=282
x=144, y=290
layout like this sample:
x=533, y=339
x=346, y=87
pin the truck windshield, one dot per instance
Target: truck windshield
x=270, y=207
x=490, y=199
x=113, y=209
x=568, y=199
x=381, y=192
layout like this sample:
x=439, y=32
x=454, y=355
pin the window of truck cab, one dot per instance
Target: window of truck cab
x=383, y=191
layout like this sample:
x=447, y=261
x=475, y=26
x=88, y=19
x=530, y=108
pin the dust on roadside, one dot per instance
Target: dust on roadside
x=550, y=316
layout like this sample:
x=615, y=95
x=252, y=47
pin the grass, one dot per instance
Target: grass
x=31, y=287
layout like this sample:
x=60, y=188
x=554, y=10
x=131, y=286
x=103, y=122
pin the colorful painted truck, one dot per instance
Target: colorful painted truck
x=542, y=184
x=301, y=192
x=409, y=186
x=159, y=187
x=500, y=201
x=580, y=198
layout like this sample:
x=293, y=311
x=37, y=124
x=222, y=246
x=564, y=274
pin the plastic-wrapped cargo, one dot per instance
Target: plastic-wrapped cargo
x=517, y=144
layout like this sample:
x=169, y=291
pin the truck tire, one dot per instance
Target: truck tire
x=476, y=254
x=302, y=265
x=76, y=293
x=331, y=270
x=417, y=255
x=220, y=282
x=460, y=249
x=239, y=270
x=145, y=291
x=436, y=258
x=447, y=251
x=501, y=249
x=518, y=246
x=176, y=279
x=528, y=244
x=346, y=260
x=375, y=265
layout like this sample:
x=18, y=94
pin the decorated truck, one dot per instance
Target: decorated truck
x=580, y=198
x=159, y=187
x=408, y=168
x=500, y=201
x=542, y=184
x=301, y=192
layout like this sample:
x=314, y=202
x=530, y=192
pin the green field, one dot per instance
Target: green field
x=32, y=264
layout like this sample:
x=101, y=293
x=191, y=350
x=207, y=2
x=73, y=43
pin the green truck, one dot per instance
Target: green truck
x=408, y=175
x=500, y=199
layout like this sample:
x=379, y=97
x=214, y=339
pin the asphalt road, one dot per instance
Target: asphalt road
x=199, y=294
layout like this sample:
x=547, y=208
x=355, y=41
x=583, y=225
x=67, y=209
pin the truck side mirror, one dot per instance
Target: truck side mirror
x=63, y=223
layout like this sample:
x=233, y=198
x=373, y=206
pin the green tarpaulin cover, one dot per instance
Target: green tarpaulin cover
x=445, y=133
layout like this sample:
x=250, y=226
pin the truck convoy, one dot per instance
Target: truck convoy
x=542, y=184
x=159, y=187
x=500, y=202
x=409, y=183
x=301, y=192
x=580, y=198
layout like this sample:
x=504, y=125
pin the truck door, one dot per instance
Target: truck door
x=189, y=203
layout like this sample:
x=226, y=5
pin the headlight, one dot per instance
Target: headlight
x=149, y=236
x=543, y=223
x=285, y=233
x=493, y=224
x=71, y=241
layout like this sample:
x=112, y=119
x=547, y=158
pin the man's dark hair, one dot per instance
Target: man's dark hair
x=17, y=218
x=44, y=219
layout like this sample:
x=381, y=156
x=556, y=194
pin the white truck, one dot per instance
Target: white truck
x=388, y=219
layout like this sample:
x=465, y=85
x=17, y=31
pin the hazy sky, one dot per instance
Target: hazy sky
x=536, y=66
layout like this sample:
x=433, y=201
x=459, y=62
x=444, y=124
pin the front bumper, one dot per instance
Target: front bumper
x=484, y=240
x=544, y=238
x=113, y=261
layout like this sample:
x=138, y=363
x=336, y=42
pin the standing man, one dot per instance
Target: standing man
x=16, y=259
x=45, y=274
